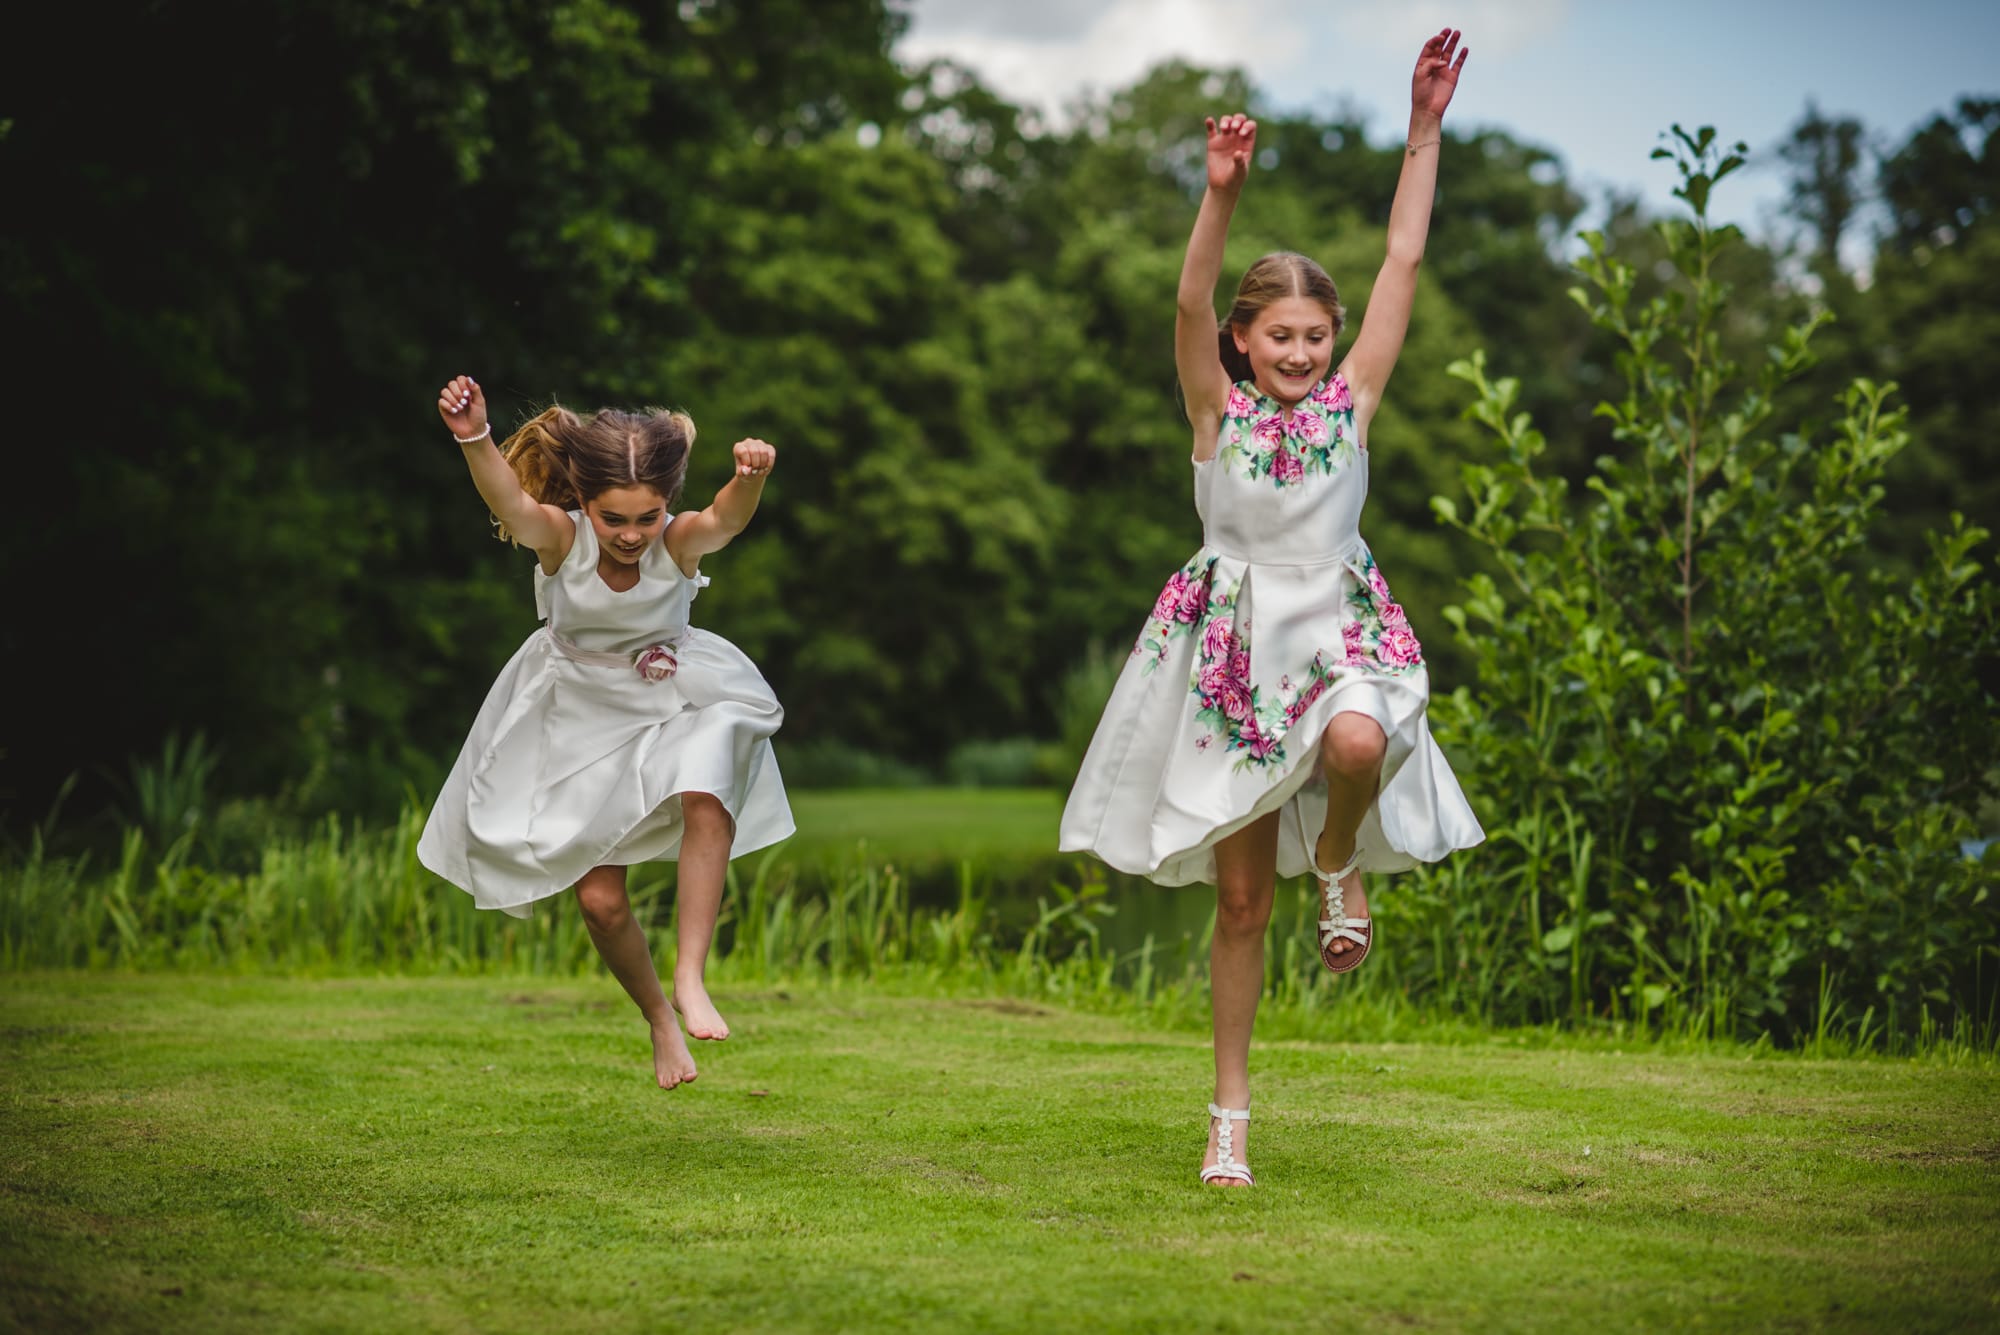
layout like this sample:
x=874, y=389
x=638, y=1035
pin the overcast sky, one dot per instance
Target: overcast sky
x=1594, y=80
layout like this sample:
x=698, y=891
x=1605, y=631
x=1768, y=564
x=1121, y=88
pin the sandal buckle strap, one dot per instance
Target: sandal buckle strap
x=1226, y=1163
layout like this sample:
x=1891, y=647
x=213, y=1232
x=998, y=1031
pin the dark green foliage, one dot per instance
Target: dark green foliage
x=1729, y=755
x=244, y=525
x=243, y=288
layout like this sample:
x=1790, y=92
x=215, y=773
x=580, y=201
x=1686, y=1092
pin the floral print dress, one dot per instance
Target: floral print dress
x=1279, y=622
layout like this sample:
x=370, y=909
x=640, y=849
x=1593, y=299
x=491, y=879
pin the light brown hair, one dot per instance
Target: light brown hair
x=1281, y=274
x=563, y=459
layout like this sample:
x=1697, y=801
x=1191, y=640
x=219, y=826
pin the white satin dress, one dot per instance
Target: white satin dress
x=1279, y=622
x=578, y=757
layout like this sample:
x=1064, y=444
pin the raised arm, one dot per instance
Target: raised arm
x=692, y=536
x=1204, y=384
x=1373, y=357
x=545, y=528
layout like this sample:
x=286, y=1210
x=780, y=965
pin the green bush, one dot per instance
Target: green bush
x=831, y=763
x=1080, y=699
x=1010, y=762
x=1727, y=754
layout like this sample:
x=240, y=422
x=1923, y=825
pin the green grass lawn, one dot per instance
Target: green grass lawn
x=202, y=1154
x=926, y=824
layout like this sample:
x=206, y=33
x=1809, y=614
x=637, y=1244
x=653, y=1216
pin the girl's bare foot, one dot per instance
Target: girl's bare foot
x=1352, y=894
x=703, y=1020
x=672, y=1064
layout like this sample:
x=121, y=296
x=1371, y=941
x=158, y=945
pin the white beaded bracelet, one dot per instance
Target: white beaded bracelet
x=484, y=432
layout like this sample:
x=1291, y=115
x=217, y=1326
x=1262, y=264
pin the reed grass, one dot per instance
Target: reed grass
x=337, y=898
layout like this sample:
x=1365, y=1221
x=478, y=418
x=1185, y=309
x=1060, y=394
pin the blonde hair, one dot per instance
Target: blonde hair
x=1281, y=274
x=563, y=459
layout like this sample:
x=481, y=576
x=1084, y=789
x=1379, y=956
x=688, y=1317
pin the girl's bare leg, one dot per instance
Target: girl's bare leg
x=1350, y=751
x=705, y=840
x=1246, y=873
x=607, y=912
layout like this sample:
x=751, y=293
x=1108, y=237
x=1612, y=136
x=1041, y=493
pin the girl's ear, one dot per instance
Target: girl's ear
x=1242, y=344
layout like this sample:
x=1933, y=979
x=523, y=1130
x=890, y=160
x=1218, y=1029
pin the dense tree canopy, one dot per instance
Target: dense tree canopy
x=249, y=240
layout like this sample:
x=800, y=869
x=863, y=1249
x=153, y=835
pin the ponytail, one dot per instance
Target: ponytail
x=539, y=454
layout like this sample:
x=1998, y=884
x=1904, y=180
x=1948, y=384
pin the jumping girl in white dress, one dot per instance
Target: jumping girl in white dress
x=1271, y=718
x=617, y=733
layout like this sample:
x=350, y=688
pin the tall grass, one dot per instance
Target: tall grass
x=336, y=897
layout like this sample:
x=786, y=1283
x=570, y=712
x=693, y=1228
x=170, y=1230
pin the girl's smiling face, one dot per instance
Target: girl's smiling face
x=1290, y=347
x=626, y=520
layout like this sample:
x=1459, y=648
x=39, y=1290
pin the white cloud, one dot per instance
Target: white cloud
x=1496, y=28
x=1041, y=19
x=1048, y=65
x=1046, y=52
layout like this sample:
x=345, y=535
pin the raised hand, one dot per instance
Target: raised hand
x=1231, y=141
x=754, y=458
x=1436, y=78
x=462, y=405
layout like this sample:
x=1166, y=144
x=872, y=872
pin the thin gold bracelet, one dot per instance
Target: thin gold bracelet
x=1426, y=144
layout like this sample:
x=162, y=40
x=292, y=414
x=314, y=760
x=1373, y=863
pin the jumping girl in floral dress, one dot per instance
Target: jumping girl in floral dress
x=1271, y=718
x=617, y=733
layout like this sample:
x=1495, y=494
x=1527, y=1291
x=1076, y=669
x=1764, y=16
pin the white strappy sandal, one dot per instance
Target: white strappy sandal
x=1336, y=925
x=1226, y=1164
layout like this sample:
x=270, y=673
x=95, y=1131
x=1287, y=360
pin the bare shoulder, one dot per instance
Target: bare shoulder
x=561, y=539
x=1365, y=396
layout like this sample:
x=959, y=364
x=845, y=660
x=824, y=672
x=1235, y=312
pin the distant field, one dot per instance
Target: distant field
x=923, y=825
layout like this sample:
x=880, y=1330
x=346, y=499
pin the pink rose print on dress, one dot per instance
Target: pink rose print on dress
x=1334, y=395
x=1239, y=404
x=1287, y=467
x=1269, y=433
x=1353, y=642
x=1239, y=665
x=1170, y=597
x=1395, y=618
x=1179, y=608
x=1312, y=693
x=656, y=662
x=1377, y=585
x=1210, y=681
x=1236, y=700
x=1193, y=597
x=1398, y=647
x=1218, y=641
x=1259, y=743
x=1308, y=428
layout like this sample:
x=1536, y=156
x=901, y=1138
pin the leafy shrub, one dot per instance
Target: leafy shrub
x=1011, y=762
x=1772, y=747
x=830, y=763
x=1080, y=699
